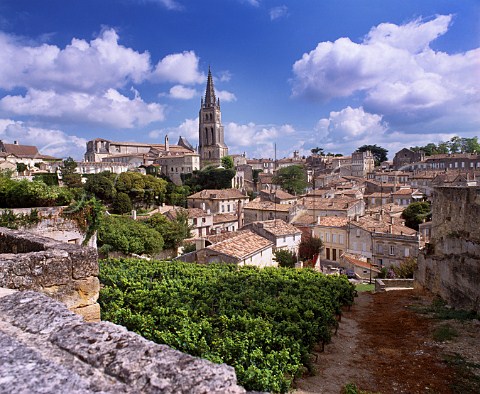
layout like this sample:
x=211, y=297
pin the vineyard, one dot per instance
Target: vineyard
x=263, y=322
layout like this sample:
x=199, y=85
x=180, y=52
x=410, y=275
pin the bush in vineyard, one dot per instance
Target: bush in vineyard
x=263, y=322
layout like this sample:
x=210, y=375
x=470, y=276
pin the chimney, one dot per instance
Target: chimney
x=167, y=144
x=390, y=229
x=392, y=220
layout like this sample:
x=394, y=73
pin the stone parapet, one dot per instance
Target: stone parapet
x=65, y=272
x=47, y=349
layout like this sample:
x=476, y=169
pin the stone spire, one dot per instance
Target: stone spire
x=210, y=100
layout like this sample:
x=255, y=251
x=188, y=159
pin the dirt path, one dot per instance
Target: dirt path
x=384, y=347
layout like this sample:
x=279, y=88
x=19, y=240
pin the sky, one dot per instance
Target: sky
x=334, y=74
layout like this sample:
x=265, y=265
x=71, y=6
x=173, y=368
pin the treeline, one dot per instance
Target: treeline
x=454, y=145
x=263, y=322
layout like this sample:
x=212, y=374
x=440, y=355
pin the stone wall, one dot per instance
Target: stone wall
x=65, y=272
x=47, y=349
x=449, y=265
x=52, y=224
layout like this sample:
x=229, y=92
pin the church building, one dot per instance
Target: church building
x=211, y=144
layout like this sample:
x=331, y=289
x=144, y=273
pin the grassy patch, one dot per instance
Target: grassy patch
x=351, y=388
x=467, y=379
x=365, y=287
x=439, y=310
x=444, y=333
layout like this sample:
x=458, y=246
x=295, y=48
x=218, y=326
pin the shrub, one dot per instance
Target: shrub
x=122, y=203
x=285, y=258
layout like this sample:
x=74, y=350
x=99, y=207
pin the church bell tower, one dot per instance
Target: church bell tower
x=211, y=144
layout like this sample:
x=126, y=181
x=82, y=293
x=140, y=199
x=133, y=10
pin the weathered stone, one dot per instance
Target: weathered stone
x=66, y=272
x=90, y=313
x=61, y=353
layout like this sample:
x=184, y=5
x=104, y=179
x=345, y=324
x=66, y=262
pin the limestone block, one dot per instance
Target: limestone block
x=90, y=313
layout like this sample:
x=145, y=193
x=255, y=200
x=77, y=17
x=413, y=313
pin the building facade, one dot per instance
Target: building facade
x=211, y=144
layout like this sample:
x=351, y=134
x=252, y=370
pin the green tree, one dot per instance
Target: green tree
x=309, y=247
x=101, y=186
x=285, y=258
x=227, y=162
x=172, y=231
x=317, y=151
x=379, y=153
x=129, y=236
x=291, y=179
x=21, y=168
x=69, y=177
x=122, y=203
x=209, y=178
x=416, y=213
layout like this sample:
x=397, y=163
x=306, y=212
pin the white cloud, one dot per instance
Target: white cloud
x=397, y=75
x=182, y=92
x=278, y=12
x=225, y=95
x=168, y=4
x=350, y=124
x=179, y=68
x=111, y=109
x=188, y=129
x=81, y=65
x=224, y=76
x=259, y=137
x=48, y=141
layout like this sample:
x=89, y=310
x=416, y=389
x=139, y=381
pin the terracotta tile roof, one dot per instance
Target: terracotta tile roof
x=373, y=225
x=224, y=218
x=245, y=244
x=303, y=219
x=359, y=263
x=280, y=194
x=333, y=221
x=278, y=227
x=267, y=206
x=402, y=192
x=219, y=194
x=216, y=238
x=326, y=204
x=21, y=150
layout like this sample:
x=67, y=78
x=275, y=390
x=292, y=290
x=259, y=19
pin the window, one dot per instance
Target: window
x=334, y=238
x=223, y=208
x=380, y=248
x=392, y=250
x=340, y=239
x=358, y=232
x=364, y=247
x=407, y=252
x=327, y=236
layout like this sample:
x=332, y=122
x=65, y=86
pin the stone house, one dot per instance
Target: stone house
x=218, y=201
x=362, y=163
x=361, y=268
x=339, y=206
x=454, y=161
x=224, y=222
x=255, y=211
x=241, y=248
x=277, y=196
x=405, y=196
x=26, y=154
x=404, y=157
x=264, y=165
x=175, y=165
x=333, y=233
x=199, y=221
x=282, y=234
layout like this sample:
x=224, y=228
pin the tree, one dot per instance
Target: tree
x=173, y=232
x=291, y=179
x=317, y=151
x=21, y=167
x=416, y=213
x=101, y=186
x=122, y=203
x=309, y=247
x=69, y=177
x=209, y=178
x=285, y=258
x=227, y=162
x=379, y=153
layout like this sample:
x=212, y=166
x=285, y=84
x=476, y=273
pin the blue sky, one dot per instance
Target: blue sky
x=335, y=74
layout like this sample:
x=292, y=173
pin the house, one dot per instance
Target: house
x=383, y=241
x=199, y=221
x=282, y=234
x=339, y=206
x=241, y=248
x=266, y=210
x=263, y=165
x=277, y=196
x=175, y=165
x=405, y=196
x=361, y=268
x=362, y=163
x=26, y=154
x=405, y=157
x=333, y=233
x=218, y=200
x=223, y=222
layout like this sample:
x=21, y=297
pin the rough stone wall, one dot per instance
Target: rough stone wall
x=449, y=265
x=65, y=272
x=47, y=349
x=53, y=225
